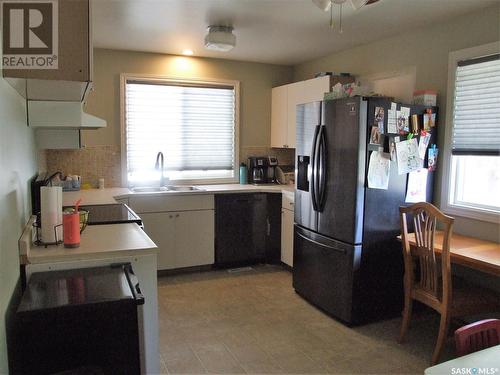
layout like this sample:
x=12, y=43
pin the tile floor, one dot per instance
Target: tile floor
x=254, y=322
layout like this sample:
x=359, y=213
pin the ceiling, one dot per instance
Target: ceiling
x=284, y=32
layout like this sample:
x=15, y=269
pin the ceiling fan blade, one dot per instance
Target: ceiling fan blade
x=324, y=5
x=356, y=4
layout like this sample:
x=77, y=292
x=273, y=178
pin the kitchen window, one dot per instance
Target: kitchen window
x=193, y=123
x=474, y=149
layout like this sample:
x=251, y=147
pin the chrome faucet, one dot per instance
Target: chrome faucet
x=160, y=164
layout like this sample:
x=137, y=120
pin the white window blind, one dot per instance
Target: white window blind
x=193, y=125
x=476, y=121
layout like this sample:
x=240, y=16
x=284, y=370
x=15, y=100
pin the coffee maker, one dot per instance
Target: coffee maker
x=271, y=170
x=258, y=169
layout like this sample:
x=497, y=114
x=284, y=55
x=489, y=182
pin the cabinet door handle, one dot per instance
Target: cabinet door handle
x=170, y=216
x=177, y=215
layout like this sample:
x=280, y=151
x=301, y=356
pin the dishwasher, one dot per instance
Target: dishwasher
x=78, y=321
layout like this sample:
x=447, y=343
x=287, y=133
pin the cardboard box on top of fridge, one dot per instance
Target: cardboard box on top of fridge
x=425, y=97
x=335, y=78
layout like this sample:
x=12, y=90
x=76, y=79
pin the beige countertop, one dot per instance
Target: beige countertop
x=97, y=242
x=106, y=196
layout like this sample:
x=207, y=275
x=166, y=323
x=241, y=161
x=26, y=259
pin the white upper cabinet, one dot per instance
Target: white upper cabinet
x=284, y=101
x=55, y=96
x=279, y=113
x=314, y=89
x=73, y=78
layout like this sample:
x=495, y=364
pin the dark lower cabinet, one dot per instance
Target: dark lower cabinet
x=246, y=229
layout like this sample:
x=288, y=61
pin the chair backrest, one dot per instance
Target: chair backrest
x=425, y=217
x=477, y=336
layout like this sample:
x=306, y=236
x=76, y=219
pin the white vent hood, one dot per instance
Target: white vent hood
x=61, y=115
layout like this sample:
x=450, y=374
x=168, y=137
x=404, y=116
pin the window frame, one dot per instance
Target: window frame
x=125, y=77
x=448, y=188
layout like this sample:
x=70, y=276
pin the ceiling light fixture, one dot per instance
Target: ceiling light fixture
x=187, y=52
x=220, y=38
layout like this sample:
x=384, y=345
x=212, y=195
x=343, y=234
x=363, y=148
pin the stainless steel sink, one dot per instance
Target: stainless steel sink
x=148, y=189
x=158, y=189
x=183, y=188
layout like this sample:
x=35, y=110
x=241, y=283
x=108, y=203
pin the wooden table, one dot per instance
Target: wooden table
x=469, y=252
x=477, y=363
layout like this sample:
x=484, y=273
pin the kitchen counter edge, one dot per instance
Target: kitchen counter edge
x=110, y=195
x=98, y=242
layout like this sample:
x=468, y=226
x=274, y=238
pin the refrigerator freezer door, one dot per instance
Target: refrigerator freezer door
x=345, y=132
x=308, y=119
x=324, y=272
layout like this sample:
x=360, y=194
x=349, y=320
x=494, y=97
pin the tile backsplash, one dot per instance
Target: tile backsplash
x=91, y=163
x=95, y=162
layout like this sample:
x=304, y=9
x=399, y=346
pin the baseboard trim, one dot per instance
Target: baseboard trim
x=286, y=267
x=180, y=271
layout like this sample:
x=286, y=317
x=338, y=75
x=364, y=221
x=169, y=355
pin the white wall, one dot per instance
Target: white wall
x=17, y=166
x=425, y=50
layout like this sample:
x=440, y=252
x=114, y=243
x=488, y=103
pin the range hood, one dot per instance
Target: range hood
x=61, y=115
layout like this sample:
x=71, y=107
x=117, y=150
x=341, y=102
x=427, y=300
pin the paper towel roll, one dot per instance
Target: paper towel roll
x=51, y=212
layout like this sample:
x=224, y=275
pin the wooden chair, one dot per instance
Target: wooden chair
x=477, y=336
x=433, y=284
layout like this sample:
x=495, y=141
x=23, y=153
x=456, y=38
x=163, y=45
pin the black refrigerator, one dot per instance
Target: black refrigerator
x=347, y=260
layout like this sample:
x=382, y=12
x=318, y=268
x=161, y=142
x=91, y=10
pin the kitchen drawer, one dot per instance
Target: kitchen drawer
x=163, y=203
x=287, y=200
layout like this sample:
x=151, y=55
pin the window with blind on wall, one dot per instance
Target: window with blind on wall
x=475, y=143
x=193, y=123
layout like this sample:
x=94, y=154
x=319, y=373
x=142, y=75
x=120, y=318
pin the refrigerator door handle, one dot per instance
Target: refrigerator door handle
x=322, y=168
x=321, y=244
x=314, y=169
